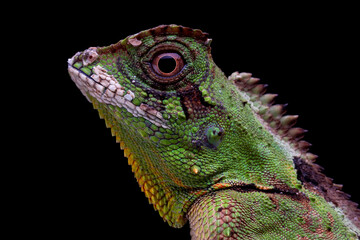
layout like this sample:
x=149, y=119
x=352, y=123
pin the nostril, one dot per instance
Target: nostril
x=89, y=56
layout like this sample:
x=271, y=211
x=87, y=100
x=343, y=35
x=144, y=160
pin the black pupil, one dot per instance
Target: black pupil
x=167, y=64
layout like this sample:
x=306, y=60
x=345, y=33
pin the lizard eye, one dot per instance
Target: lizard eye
x=168, y=64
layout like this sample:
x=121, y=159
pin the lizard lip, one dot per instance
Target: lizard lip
x=80, y=79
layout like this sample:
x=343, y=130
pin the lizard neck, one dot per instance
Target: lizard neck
x=251, y=214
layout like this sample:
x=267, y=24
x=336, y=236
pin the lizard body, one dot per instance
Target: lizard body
x=204, y=148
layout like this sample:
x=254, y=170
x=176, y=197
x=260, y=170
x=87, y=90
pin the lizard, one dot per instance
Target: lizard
x=209, y=149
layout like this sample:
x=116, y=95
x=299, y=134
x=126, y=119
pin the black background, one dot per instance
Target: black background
x=85, y=188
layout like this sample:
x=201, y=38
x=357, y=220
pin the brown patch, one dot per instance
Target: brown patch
x=148, y=109
x=275, y=201
x=329, y=233
x=192, y=102
x=312, y=178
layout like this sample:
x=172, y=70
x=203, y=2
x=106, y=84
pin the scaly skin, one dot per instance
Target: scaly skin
x=206, y=148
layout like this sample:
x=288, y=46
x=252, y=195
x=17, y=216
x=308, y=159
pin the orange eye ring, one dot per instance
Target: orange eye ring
x=167, y=64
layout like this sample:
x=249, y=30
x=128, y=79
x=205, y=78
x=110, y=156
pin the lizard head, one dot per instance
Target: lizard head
x=185, y=127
